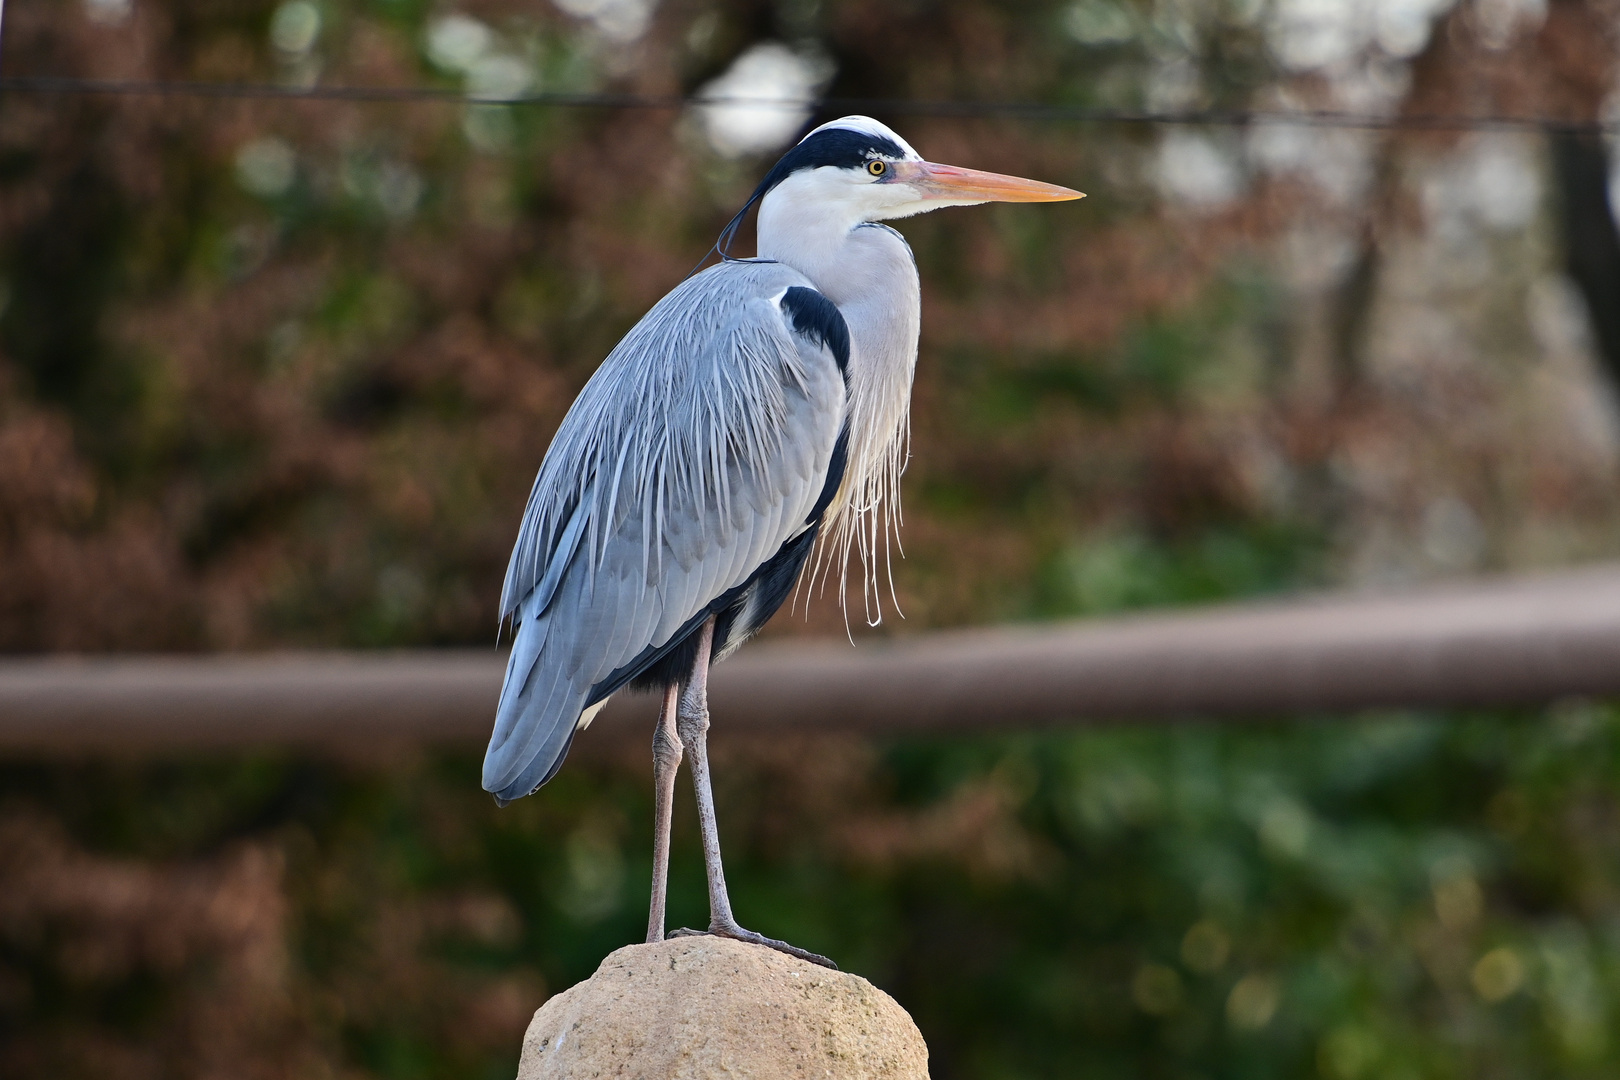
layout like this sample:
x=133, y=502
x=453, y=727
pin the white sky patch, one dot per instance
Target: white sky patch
x=1493, y=182
x=1402, y=27
x=1506, y=183
x=1307, y=35
x=294, y=27
x=1377, y=85
x=1338, y=162
x=1173, y=84
x=266, y=167
x=1099, y=22
x=620, y=21
x=457, y=42
x=1500, y=22
x=498, y=78
x=462, y=45
x=775, y=87
x=1191, y=169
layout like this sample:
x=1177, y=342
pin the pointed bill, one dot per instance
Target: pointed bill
x=952, y=184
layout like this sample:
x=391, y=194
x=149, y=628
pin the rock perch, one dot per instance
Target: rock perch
x=697, y=1007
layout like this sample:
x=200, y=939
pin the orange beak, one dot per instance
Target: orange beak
x=949, y=183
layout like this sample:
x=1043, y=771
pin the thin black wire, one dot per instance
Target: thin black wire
x=61, y=85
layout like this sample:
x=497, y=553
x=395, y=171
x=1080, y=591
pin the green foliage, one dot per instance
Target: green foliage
x=1129, y=569
x=1400, y=895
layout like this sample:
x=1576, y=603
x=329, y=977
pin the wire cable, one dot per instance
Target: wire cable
x=70, y=86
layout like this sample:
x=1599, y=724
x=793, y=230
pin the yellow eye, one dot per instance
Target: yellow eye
x=877, y=168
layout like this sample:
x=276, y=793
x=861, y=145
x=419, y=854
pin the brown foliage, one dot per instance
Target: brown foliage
x=214, y=933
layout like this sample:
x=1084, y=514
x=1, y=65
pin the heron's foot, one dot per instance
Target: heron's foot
x=737, y=933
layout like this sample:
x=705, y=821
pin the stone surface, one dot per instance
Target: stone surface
x=712, y=1007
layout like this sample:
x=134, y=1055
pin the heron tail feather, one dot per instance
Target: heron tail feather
x=536, y=718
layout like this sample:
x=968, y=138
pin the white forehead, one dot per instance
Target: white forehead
x=868, y=126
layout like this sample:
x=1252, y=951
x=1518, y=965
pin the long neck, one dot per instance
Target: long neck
x=867, y=270
x=870, y=273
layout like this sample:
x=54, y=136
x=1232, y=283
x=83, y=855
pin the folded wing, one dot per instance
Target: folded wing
x=686, y=480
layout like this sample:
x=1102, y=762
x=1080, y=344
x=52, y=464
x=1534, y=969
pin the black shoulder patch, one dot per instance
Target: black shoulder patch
x=817, y=317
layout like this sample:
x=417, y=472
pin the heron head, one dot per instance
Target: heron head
x=855, y=170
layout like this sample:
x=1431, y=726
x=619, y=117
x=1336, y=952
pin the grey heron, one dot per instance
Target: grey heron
x=760, y=407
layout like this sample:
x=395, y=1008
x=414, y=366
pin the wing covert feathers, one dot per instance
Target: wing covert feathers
x=696, y=450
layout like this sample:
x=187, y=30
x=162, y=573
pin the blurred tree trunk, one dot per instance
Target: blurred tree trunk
x=1577, y=45
x=1591, y=242
x=1439, y=72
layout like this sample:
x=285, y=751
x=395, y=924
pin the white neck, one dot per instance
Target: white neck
x=870, y=274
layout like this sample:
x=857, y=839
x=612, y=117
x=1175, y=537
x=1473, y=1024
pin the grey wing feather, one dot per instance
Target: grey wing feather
x=693, y=454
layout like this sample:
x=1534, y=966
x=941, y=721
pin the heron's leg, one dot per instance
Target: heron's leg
x=694, y=730
x=666, y=762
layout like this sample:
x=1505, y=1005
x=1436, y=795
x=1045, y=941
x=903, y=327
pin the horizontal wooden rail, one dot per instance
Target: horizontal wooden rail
x=1503, y=641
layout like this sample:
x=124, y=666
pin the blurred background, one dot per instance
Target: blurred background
x=278, y=372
